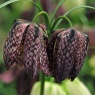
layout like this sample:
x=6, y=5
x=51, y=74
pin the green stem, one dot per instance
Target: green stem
x=42, y=79
x=46, y=18
x=78, y=8
x=58, y=21
x=52, y=17
x=71, y=11
x=12, y=1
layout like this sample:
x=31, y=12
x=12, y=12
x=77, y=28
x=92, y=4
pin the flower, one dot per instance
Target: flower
x=67, y=51
x=61, y=56
x=25, y=45
x=13, y=44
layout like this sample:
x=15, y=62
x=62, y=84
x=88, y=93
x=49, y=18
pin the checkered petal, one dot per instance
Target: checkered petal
x=43, y=57
x=13, y=43
x=35, y=55
x=50, y=50
x=67, y=56
x=82, y=47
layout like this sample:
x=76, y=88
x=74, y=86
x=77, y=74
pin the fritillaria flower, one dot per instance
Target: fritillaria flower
x=25, y=45
x=67, y=51
x=13, y=44
x=61, y=56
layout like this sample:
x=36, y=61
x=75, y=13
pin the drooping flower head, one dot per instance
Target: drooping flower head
x=61, y=56
x=13, y=44
x=69, y=48
x=35, y=54
x=25, y=45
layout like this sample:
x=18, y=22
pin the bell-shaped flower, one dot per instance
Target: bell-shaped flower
x=13, y=44
x=67, y=51
x=25, y=45
x=61, y=57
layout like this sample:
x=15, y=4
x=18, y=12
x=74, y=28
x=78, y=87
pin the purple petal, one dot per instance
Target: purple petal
x=69, y=48
x=35, y=54
x=82, y=47
x=13, y=43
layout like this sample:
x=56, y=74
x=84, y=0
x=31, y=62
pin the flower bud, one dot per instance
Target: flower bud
x=49, y=89
x=75, y=88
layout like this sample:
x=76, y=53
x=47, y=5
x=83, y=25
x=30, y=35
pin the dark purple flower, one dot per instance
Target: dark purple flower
x=13, y=44
x=35, y=54
x=61, y=57
x=25, y=45
x=67, y=51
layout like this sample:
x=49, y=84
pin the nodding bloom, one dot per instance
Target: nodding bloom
x=25, y=45
x=61, y=56
x=67, y=51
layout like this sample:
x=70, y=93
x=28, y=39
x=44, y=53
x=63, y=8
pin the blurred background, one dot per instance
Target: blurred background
x=14, y=81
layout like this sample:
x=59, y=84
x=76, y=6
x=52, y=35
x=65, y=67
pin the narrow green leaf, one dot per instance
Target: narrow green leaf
x=7, y=3
x=52, y=17
x=46, y=18
x=69, y=12
x=35, y=5
x=75, y=8
x=12, y=1
x=58, y=21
